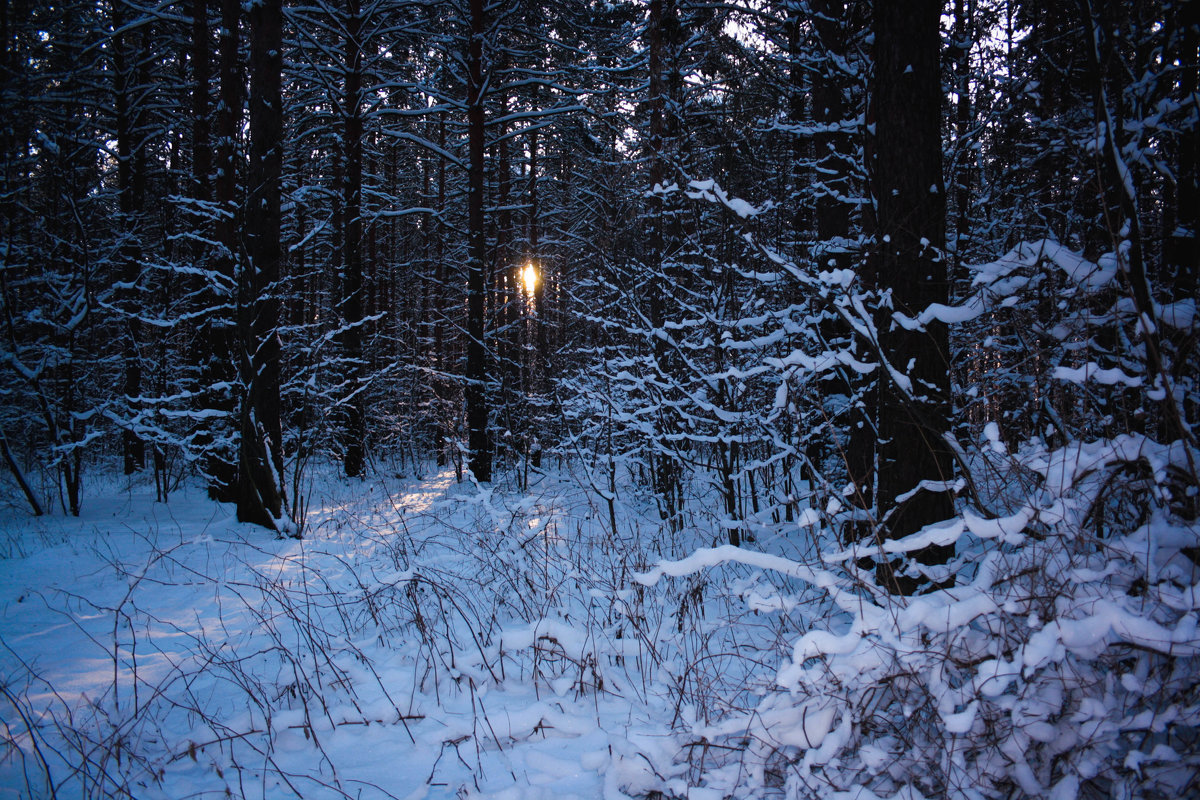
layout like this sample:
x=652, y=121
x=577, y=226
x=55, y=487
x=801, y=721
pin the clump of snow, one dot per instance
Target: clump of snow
x=709, y=190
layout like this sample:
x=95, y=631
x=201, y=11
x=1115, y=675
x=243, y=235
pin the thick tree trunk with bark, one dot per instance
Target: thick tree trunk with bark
x=799, y=174
x=201, y=124
x=220, y=369
x=260, y=459
x=354, y=436
x=441, y=390
x=478, y=438
x=833, y=147
x=1185, y=238
x=128, y=58
x=665, y=466
x=915, y=463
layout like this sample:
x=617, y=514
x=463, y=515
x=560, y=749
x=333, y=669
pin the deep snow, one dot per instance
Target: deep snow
x=425, y=639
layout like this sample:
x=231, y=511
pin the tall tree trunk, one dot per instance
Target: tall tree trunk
x=538, y=301
x=260, y=459
x=127, y=58
x=964, y=33
x=832, y=146
x=478, y=438
x=352, y=288
x=799, y=63
x=440, y=390
x=1184, y=252
x=201, y=124
x=911, y=208
x=666, y=467
x=833, y=157
x=220, y=369
x=1184, y=255
x=505, y=281
x=656, y=103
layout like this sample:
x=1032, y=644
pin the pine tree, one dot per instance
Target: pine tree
x=260, y=454
x=916, y=467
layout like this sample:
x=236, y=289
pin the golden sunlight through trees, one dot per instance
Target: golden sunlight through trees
x=529, y=276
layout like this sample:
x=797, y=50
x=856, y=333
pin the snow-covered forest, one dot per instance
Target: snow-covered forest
x=639, y=399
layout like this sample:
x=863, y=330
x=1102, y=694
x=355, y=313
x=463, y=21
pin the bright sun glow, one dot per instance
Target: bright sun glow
x=529, y=276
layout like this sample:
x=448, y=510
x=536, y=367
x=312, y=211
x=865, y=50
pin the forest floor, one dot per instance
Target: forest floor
x=425, y=639
x=428, y=638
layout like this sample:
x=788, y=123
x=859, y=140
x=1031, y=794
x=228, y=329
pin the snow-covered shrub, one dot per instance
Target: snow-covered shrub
x=1060, y=663
x=1059, y=654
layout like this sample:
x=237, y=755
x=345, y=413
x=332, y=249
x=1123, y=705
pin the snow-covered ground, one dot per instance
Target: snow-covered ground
x=434, y=639
x=425, y=639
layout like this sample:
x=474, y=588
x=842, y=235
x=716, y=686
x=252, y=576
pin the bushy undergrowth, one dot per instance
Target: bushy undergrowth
x=1056, y=653
x=1061, y=658
x=198, y=659
x=1061, y=661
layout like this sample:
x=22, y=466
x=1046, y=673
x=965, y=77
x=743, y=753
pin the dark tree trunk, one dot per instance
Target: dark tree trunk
x=964, y=33
x=832, y=157
x=910, y=200
x=260, y=460
x=666, y=467
x=299, y=309
x=19, y=475
x=220, y=369
x=478, y=438
x=1184, y=250
x=834, y=154
x=440, y=389
x=797, y=174
x=201, y=124
x=1183, y=255
x=352, y=288
x=538, y=300
x=127, y=60
x=506, y=279
x=656, y=102
x=833, y=146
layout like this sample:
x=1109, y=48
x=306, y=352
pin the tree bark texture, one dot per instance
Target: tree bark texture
x=478, y=437
x=260, y=459
x=355, y=433
x=220, y=367
x=128, y=57
x=911, y=208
